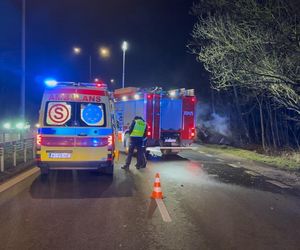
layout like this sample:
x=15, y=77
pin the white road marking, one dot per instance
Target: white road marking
x=234, y=166
x=213, y=175
x=252, y=173
x=201, y=152
x=220, y=160
x=8, y=184
x=209, y=155
x=279, y=184
x=163, y=210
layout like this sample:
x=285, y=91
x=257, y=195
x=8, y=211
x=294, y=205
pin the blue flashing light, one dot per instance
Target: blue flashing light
x=50, y=82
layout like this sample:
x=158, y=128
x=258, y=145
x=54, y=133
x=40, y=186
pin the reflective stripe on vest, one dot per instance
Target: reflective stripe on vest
x=139, y=128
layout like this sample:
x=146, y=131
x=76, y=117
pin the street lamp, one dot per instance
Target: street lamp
x=77, y=50
x=104, y=52
x=124, y=48
x=23, y=43
x=7, y=125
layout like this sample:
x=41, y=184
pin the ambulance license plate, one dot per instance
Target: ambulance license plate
x=170, y=140
x=59, y=155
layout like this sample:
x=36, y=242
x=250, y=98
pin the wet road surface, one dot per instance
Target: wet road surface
x=212, y=204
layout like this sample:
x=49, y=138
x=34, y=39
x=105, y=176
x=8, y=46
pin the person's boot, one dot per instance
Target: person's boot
x=125, y=167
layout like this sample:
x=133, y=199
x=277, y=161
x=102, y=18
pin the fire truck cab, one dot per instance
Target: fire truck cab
x=170, y=116
x=76, y=128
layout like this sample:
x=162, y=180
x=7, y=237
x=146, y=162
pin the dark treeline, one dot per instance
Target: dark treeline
x=257, y=121
x=251, y=49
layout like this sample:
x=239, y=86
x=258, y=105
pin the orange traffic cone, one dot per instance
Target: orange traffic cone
x=157, y=193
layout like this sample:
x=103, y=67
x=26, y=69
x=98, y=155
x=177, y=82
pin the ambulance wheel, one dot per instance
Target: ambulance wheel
x=126, y=143
x=109, y=170
x=44, y=170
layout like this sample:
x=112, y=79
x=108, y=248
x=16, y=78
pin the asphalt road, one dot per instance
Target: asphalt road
x=212, y=206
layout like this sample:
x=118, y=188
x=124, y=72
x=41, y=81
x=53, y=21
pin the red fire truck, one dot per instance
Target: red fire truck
x=170, y=116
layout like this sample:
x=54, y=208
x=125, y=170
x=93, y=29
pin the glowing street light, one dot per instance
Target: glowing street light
x=112, y=80
x=104, y=52
x=76, y=50
x=20, y=125
x=7, y=125
x=124, y=48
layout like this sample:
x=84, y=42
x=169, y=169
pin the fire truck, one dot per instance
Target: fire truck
x=170, y=117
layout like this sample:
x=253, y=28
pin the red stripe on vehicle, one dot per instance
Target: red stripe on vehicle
x=57, y=141
x=91, y=92
x=156, y=117
x=77, y=91
x=91, y=142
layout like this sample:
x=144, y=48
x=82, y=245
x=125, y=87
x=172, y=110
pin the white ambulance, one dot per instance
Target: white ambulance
x=76, y=128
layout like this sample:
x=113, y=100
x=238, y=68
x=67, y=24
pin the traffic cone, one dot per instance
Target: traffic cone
x=157, y=193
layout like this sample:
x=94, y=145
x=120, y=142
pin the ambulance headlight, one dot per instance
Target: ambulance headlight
x=50, y=83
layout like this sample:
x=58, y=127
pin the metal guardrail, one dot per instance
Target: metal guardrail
x=16, y=151
x=11, y=136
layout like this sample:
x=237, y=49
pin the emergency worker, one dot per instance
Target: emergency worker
x=137, y=132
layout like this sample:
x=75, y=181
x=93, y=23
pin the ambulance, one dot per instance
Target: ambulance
x=170, y=117
x=76, y=128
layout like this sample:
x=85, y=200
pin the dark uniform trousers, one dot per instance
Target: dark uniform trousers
x=136, y=142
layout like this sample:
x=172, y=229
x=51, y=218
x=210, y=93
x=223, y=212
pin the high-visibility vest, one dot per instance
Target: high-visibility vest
x=138, y=129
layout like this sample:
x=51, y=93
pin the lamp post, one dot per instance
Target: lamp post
x=23, y=44
x=103, y=52
x=124, y=48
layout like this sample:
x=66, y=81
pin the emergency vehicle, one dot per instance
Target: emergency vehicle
x=76, y=127
x=170, y=116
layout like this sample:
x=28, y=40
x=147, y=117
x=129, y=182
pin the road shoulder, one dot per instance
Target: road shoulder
x=291, y=178
x=17, y=184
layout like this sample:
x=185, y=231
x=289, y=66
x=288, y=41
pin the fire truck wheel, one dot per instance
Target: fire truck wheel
x=166, y=152
x=148, y=155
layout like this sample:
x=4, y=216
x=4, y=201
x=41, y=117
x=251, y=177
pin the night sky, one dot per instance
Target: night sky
x=157, y=32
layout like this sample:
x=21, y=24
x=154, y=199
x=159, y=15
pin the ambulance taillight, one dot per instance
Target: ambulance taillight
x=110, y=140
x=38, y=140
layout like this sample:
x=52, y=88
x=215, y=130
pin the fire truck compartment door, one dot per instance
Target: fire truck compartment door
x=171, y=114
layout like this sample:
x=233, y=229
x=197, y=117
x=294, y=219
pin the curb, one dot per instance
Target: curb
x=17, y=184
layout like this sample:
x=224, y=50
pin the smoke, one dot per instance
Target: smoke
x=209, y=120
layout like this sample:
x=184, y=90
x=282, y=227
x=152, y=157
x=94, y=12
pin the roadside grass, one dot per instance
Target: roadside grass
x=284, y=160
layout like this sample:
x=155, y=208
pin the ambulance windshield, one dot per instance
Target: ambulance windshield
x=75, y=114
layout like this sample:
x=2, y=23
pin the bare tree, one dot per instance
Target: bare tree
x=253, y=46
